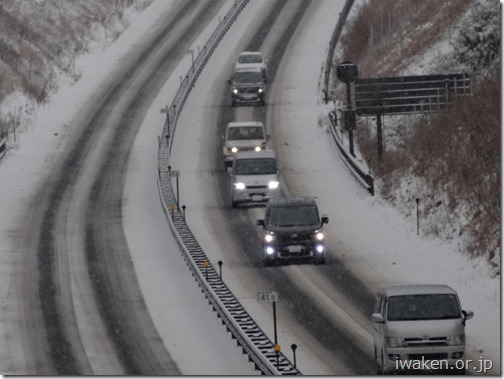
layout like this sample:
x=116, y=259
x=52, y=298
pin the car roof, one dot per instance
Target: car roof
x=255, y=154
x=249, y=69
x=291, y=201
x=417, y=289
x=236, y=124
x=250, y=53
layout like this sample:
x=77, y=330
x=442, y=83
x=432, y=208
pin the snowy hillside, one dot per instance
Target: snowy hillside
x=40, y=42
x=449, y=161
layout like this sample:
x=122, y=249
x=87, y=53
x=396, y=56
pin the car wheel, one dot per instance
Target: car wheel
x=263, y=102
x=234, y=204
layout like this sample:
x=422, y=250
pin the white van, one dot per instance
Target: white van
x=254, y=177
x=243, y=136
x=415, y=324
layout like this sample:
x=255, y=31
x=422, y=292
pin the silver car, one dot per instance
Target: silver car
x=254, y=177
x=419, y=327
x=251, y=59
x=243, y=136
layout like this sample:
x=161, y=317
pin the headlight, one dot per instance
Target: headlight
x=257, y=148
x=319, y=248
x=235, y=90
x=260, y=90
x=269, y=237
x=234, y=149
x=456, y=340
x=319, y=236
x=239, y=186
x=394, y=342
x=273, y=185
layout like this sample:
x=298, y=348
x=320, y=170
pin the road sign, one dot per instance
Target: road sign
x=409, y=94
x=347, y=72
x=174, y=174
x=267, y=297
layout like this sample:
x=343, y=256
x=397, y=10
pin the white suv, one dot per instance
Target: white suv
x=248, y=59
x=243, y=136
x=254, y=177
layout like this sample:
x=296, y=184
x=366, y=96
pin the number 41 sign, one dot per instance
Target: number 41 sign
x=270, y=297
x=267, y=297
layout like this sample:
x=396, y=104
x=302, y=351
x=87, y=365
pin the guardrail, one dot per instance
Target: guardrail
x=243, y=328
x=365, y=180
x=332, y=44
x=3, y=147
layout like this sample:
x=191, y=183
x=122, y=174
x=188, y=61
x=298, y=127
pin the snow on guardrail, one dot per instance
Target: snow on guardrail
x=356, y=169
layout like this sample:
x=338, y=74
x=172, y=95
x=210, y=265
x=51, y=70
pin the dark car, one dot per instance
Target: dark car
x=248, y=86
x=292, y=229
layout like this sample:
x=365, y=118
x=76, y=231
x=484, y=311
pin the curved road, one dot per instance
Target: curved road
x=72, y=251
x=74, y=270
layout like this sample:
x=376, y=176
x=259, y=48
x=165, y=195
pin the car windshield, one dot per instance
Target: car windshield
x=293, y=215
x=423, y=307
x=245, y=133
x=256, y=166
x=250, y=58
x=245, y=77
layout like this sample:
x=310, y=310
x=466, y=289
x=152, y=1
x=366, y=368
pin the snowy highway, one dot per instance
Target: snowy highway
x=94, y=282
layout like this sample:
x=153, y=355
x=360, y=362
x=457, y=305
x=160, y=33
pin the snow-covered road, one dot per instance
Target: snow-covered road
x=366, y=237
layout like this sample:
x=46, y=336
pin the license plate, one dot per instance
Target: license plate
x=257, y=198
x=295, y=249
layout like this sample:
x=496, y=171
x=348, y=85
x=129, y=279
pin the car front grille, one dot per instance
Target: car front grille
x=248, y=90
x=428, y=356
x=420, y=342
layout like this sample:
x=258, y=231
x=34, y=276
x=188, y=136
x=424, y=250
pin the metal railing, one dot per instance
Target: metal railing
x=365, y=180
x=243, y=328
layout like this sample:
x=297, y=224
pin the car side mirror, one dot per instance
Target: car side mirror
x=468, y=315
x=325, y=220
x=229, y=81
x=260, y=222
x=377, y=317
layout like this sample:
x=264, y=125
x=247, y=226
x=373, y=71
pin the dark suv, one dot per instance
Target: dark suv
x=248, y=86
x=292, y=229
